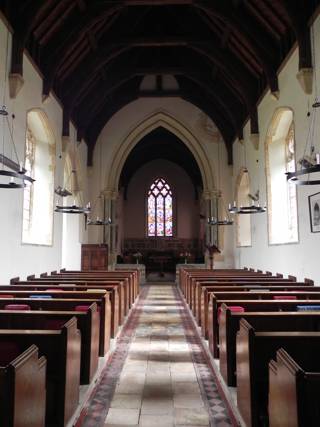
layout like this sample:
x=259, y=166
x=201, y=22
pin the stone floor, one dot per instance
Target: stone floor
x=163, y=379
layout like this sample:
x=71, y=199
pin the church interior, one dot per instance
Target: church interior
x=160, y=204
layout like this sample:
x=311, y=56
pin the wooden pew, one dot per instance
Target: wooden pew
x=195, y=287
x=205, y=289
x=134, y=276
x=109, y=301
x=62, y=351
x=22, y=386
x=131, y=278
x=125, y=291
x=249, y=306
x=294, y=385
x=263, y=321
x=254, y=351
x=88, y=324
x=69, y=304
x=115, y=289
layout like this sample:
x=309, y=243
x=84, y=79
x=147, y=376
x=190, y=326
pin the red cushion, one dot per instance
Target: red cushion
x=9, y=351
x=6, y=296
x=84, y=308
x=233, y=309
x=17, y=307
x=54, y=324
x=277, y=297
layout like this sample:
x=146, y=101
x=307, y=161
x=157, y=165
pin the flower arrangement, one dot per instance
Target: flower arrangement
x=137, y=256
x=185, y=255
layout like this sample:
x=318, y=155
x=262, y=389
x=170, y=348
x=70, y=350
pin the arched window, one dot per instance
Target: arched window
x=38, y=198
x=160, y=223
x=243, y=222
x=282, y=196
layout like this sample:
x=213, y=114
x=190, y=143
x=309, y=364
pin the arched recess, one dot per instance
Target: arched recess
x=243, y=222
x=40, y=150
x=282, y=196
x=165, y=120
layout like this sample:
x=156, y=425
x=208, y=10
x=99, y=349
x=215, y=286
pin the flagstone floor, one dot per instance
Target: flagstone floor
x=160, y=376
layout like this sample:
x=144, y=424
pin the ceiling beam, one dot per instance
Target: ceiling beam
x=222, y=10
x=79, y=25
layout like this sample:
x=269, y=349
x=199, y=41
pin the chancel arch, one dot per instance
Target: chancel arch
x=282, y=196
x=37, y=226
x=154, y=121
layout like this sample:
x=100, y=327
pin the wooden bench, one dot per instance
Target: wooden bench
x=115, y=289
x=123, y=287
x=87, y=322
x=294, y=384
x=69, y=304
x=62, y=351
x=22, y=386
x=202, y=303
x=229, y=324
x=134, y=276
x=109, y=300
x=195, y=289
x=249, y=306
x=254, y=351
x=129, y=277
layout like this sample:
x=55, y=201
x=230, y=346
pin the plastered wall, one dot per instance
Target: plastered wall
x=17, y=259
x=302, y=258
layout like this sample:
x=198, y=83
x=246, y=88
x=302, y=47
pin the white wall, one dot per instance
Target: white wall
x=22, y=259
x=300, y=259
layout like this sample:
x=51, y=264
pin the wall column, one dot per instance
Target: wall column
x=110, y=231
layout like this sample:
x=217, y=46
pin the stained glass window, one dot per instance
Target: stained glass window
x=160, y=209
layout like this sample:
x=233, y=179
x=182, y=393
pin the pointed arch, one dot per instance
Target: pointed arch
x=37, y=224
x=282, y=195
x=155, y=120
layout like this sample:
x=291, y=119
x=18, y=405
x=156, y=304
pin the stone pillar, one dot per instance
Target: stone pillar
x=110, y=231
x=211, y=235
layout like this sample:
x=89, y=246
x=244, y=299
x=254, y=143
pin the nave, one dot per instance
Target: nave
x=158, y=374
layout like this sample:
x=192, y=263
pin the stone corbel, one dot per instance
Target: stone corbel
x=275, y=95
x=305, y=78
x=254, y=138
x=65, y=141
x=16, y=82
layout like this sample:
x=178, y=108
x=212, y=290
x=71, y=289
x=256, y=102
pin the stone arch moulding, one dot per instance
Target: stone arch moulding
x=45, y=123
x=147, y=125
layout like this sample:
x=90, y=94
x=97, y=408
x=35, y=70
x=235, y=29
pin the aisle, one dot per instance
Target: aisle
x=158, y=374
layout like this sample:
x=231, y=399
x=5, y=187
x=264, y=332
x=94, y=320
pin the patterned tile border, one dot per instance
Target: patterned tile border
x=95, y=411
x=219, y=411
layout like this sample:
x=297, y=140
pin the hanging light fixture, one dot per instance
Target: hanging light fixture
x=64, y=192
x=99, y=205
x=216, y=221
x=308, y=170
x=12, y=174
x=255, y=207
x=98, y=220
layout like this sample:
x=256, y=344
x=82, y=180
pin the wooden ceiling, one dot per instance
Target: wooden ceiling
x=94, y=54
